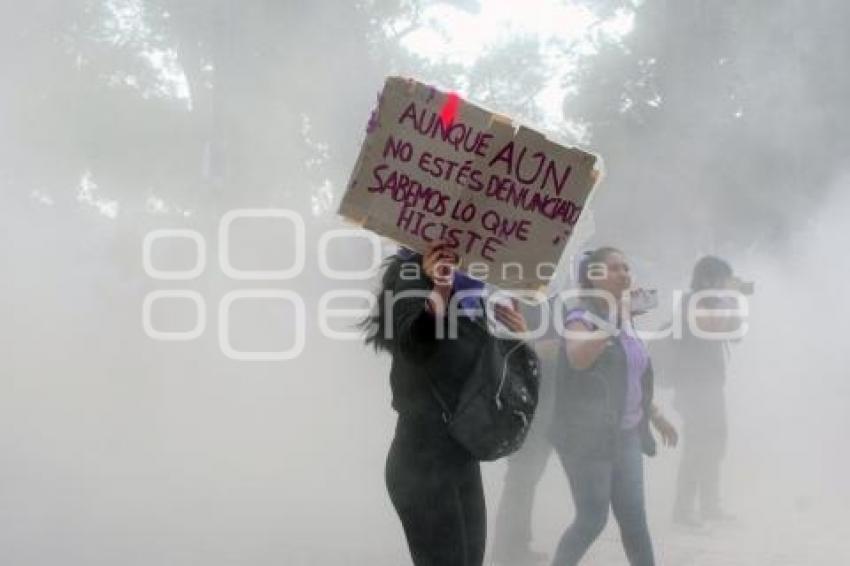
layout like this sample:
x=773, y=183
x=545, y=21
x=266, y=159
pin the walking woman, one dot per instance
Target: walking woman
x=603, y=411
x=434, y=483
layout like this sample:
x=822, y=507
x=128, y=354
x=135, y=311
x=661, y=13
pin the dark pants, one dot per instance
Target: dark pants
x=598, y=485
x=435, y=487
x=704, y=445
x=513, y=521
x=512, y=533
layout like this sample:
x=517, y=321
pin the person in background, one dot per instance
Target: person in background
x=700, y=376
x=434, y=483
x=603, y=410
x=512, y=533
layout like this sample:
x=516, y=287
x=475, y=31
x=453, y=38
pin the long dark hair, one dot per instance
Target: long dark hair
x=599, y=255
x=709, y=271
x=374, y=325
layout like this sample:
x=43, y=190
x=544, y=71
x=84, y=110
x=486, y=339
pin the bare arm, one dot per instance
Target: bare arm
x=439, y=264
x=668, y=432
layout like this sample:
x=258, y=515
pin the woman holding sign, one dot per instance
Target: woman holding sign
x=433, y=481
x=603, y=411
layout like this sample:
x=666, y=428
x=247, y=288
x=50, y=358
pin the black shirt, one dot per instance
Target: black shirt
x=419, y=357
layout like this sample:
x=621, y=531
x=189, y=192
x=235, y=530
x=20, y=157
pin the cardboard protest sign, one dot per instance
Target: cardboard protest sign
x=436, y=167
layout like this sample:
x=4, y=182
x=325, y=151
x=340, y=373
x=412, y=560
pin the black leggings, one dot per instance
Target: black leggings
x=435, y=487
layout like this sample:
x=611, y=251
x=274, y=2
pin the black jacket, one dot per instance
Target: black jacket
x=589, y=405
x=417, y=355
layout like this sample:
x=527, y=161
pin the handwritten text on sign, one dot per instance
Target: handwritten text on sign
x=434, y=167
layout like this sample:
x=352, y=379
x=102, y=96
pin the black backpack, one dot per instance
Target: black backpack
x=498, y=400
